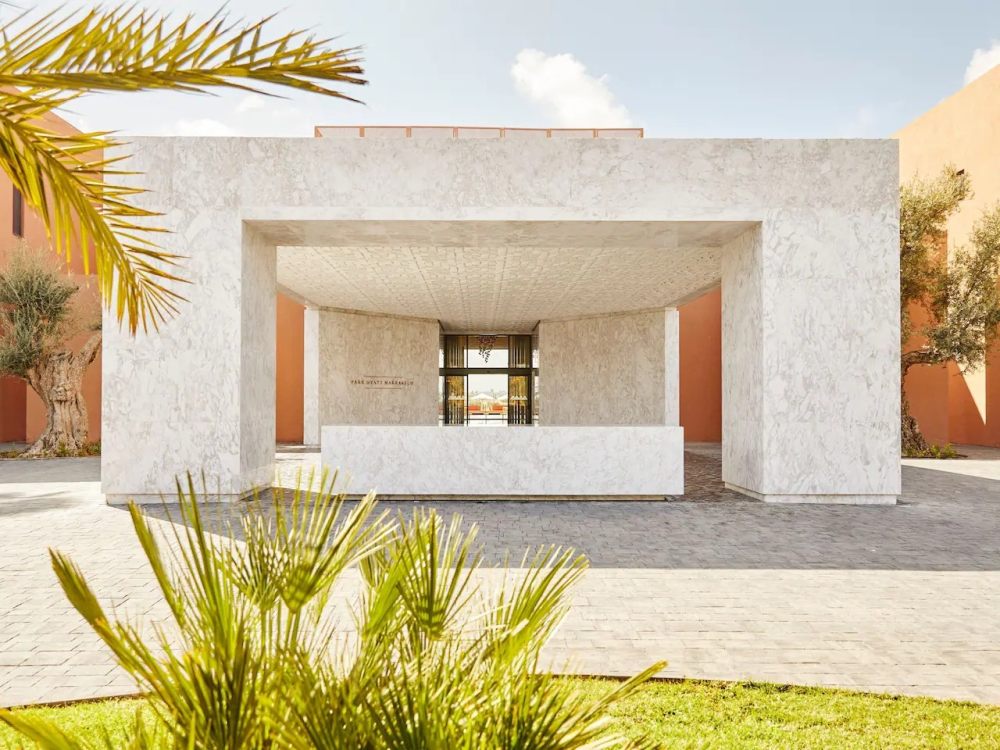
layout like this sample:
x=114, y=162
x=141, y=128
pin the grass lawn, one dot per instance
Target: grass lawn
x=711, y=715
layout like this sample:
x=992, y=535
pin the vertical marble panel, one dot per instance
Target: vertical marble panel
x=742, y=362
x=671, y=367
x=607, y=370
x=197, y=393
x=830, y=328
x=810, y=353
x=171, y=396
x=258, y=301
x=377, y=369
x=310, y=376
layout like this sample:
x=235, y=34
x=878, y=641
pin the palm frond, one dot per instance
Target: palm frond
x=247, y=660
x=126, y=48
x=46, y=62
x=66, y=179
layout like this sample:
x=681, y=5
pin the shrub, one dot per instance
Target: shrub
x=267, y=649
x=934, y=451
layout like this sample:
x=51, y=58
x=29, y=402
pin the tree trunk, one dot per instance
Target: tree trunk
x=913, y=442
x=58, y=381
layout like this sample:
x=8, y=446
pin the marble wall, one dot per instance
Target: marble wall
x=310, y=376
x=624, y=461
x=743, y=375
x=195, y=394
x=812, y=397
x=372, y=369
x=610, y=370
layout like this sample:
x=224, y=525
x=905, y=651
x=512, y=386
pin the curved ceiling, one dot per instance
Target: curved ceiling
x=499, y=276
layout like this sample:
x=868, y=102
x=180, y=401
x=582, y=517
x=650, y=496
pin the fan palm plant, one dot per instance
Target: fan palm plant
x=333, y=627
x=48, y=61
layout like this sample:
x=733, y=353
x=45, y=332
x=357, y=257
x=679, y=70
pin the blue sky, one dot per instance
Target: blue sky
x=708, y=68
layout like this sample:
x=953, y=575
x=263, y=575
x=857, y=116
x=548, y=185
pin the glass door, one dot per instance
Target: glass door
x=518, y=399
x=486, y=379
x=455, y=406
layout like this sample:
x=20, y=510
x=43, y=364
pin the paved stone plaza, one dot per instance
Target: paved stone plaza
x=893, y=598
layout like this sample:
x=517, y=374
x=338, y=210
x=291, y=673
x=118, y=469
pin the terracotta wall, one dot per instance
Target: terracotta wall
x=701, y=368
x=289, y=360
x=963, y=130
x=22, y=416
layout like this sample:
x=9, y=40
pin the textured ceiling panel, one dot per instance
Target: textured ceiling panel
x=510, y=286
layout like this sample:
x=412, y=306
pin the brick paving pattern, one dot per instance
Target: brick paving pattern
x=901, y=599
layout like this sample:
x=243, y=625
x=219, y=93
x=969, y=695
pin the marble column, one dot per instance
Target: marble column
x=810, y=353
x=671, y=367
x=197, y=395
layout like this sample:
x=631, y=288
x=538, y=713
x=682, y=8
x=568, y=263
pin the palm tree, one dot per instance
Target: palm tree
x=48, y=61
x=316, y=624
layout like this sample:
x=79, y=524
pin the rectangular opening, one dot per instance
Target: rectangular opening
x=486, y=380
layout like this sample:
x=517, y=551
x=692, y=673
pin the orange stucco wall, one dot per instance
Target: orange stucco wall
x=701, y=368
x=289, y=356
x=22, y=416
x=963, y=130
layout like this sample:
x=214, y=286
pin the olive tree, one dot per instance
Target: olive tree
x=956, y=288
x=38, y=317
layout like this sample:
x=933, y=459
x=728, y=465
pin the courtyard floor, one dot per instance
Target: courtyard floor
x=899, y=598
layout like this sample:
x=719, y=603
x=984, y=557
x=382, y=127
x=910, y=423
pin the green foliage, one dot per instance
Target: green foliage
x=924, y=209
x=933, y=451
x=48, y=61
x=329, y=627
x=960, y=293
x=35, y=311
x=693, y=714
x=757, y=716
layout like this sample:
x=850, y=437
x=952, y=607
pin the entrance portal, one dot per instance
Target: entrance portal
x=487, y=379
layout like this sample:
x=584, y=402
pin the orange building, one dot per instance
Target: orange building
x=950, y=406
x=22, y=415
x=963, y=130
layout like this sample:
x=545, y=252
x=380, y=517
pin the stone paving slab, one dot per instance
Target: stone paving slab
x=900, y=599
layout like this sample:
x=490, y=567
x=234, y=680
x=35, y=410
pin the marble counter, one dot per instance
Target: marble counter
x=622, y=461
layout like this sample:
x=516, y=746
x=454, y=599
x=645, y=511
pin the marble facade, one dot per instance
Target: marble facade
x=611, y=369
x=365, y=369
x=802, y=236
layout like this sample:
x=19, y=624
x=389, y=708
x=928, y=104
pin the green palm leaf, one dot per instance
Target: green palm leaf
x=249, y=658
x=49, y=61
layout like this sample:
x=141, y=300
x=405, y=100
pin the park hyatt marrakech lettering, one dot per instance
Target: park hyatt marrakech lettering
x=381, y=382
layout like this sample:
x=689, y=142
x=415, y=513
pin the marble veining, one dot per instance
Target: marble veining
x=610, y=370
x=507, y=461
x=810, y=285
x=375, y=369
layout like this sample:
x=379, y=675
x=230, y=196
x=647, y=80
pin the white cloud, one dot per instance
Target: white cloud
x=252, y=115
x=268, y=115
x=200, y=127
x=250, y=102
x=983, y=60
x=564, y=89
x=861, y=124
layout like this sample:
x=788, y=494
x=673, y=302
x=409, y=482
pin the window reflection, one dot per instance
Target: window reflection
x=486, y=379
